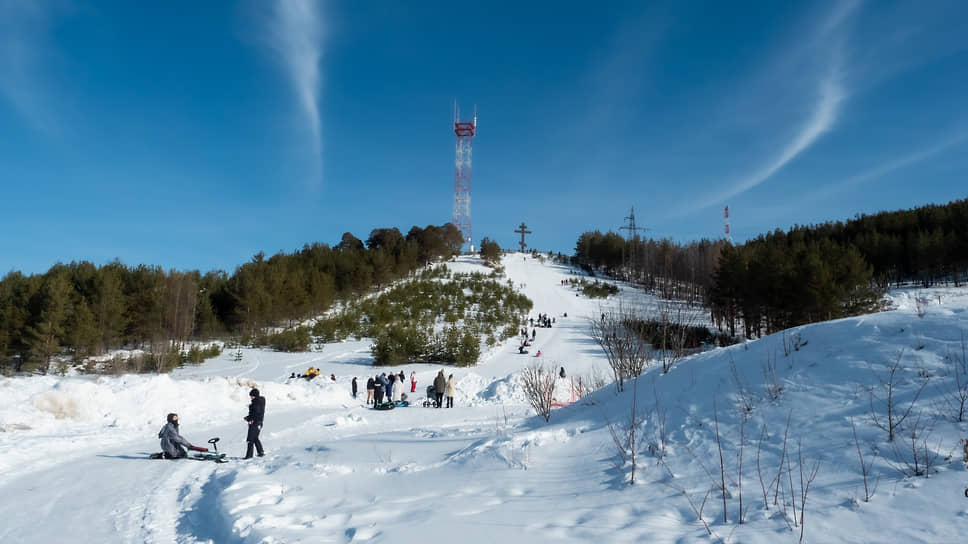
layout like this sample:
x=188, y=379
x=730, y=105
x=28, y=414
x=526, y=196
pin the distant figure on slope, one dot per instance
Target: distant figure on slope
x=172, y=444
x=369, y=389
x=440, y=383
x=391, y=380
x=413, y=382
x=562, y=372
x=311, y=373
x=354, y=387
x=449, y=391
x=538, y=354
x=257, y=412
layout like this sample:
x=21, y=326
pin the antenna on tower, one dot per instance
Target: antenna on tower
x=729, y=238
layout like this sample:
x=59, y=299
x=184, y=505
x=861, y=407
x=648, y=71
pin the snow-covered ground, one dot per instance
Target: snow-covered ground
x=74, y=467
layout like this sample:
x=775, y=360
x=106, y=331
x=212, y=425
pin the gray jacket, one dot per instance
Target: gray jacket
x=172, y=442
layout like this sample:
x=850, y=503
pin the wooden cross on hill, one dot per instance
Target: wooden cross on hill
x=523, y=229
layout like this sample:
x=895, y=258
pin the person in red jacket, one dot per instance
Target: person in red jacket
x=413, y=382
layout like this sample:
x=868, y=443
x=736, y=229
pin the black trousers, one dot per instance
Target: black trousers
x=253, y=439
x=440, y=400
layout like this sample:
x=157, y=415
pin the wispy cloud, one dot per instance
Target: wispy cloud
x=888, y=167
x=831, y=94
x=23, y=44
x=828, y=43
x=295, y=35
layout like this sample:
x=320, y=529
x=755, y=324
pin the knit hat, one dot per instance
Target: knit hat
x=254, y=392
x=171, y=417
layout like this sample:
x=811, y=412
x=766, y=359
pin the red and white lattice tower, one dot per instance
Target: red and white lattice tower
x=726, y=222
x=462, y=176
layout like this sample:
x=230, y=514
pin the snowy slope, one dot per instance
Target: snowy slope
x=73, y=450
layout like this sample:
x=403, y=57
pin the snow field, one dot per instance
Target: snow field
x=72, y=450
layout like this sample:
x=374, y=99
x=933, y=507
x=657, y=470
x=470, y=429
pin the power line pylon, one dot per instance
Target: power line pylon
x=462, y=176
x=522, y=230
x=633, y=238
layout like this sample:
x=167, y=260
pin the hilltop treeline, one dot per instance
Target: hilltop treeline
x=807, y=274
x=669, y=269
x=82, y=309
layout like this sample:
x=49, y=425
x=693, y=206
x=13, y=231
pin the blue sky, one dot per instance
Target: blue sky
x=192, y=135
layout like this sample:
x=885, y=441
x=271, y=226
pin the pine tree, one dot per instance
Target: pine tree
x=109, y=306
x=46, y=334
x=83, y=334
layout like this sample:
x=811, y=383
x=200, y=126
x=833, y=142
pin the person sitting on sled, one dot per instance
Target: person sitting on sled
x=172, y=444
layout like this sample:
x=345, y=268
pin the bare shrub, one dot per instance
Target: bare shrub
x=739, y=471
x=894, y=416
x=722, y=466
x=783, y=455
x=792, y=342
x=744, y=397
x=759, y=471
x=539, y=387
x=657, y=447
x=595, y=380
x=626, y=351
x=922, y=458
x=623, y=436
x=956, y=397
x=771, y=385
x=804, y=485
x=864, y=467
x=674, y=321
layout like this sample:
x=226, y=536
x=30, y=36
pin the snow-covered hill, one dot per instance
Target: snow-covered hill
x=74, y=467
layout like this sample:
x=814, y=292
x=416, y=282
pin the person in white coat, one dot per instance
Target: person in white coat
x=449, y=391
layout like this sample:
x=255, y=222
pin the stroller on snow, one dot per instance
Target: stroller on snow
x=431, y=399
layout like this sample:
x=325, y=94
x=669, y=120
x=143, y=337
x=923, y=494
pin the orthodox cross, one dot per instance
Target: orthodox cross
x=523, y=229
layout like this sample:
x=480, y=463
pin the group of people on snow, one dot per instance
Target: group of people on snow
x=543, y=321
x=386, y=386
x=173, y=445
x=444, y=387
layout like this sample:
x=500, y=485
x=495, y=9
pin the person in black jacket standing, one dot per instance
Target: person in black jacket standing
x=257, y=411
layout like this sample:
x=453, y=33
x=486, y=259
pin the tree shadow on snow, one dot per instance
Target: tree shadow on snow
x=140, y=456
x=207, y=520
